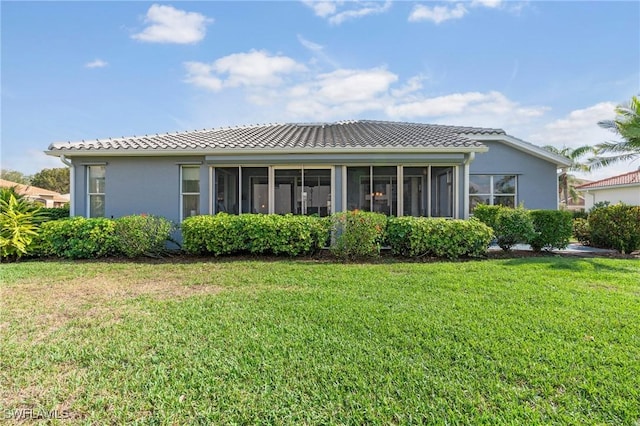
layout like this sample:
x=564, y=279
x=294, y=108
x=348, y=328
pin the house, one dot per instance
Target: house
x=390, y=167
x=39, y=195
x=622, y=188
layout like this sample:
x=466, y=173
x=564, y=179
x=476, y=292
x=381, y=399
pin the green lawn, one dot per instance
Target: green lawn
x=511, y=341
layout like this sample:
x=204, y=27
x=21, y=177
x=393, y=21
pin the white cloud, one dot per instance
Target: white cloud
x=441, y=13
x=470, y=108
x=492, y=4
x=97, y=63
x=170, y=25
x=199, y=74
x=322, y=8
x=317, y=50
x=579, y=127
x=437, y=14
x=353, y=85
x=336, y=12
x=254, y=68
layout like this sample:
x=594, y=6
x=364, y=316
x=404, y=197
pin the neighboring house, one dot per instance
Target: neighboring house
x=388, y=167
x=39, y=195
x=622, y=188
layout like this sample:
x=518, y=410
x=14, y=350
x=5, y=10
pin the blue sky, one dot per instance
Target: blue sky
x=546, y=72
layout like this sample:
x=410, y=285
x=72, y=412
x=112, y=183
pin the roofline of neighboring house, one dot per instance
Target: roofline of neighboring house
x=527, y=147
x=236, y=151
x=597, y=188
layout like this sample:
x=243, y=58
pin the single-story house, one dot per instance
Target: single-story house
x=39, y=195
x=390, y=167
x=622, y=188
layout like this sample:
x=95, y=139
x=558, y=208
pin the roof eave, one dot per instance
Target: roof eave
x=521, y=145
x=249, y=151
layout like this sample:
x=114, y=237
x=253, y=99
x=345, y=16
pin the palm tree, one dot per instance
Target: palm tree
x=627, y=125
x=565, y=180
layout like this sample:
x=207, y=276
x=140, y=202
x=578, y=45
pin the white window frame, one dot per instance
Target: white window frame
x=90, y=194
x=182, y=193
x=492, y=194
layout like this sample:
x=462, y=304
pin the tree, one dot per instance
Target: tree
x=627, y=126
x=565, y=180
x=52, y=179
x=14, y=176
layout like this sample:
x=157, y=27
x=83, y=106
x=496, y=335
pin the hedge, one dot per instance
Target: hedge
x=142, y=235
x=225, y=234
x=552, y=229
x=446, y=238
x=616, y=227
x=77, y=238
x=357, y=234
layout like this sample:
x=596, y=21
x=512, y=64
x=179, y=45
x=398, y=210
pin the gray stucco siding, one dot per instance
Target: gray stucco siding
x=136, y=185
x=537, y=178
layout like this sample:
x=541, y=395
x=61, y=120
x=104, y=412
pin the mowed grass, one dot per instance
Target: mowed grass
x=512, y=341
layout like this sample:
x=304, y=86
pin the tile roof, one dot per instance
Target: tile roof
x=33, y=191
x=624, y=179
x=322, y=136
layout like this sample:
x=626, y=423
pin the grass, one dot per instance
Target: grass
x=510, y=341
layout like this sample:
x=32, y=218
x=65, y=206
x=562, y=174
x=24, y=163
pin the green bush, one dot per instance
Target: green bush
x=451, y=239
x=78, y=238
x=513, y=226
x=141, y=235
x=487, y=214
x=56, y=213
x=553, y=229
x=18, y=227
x=357, y=234
x=579, y=214
x=616, y=227
x=254, y=233
x=581, y=231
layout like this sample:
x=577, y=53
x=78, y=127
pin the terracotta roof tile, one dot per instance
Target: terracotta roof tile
x=624, y=179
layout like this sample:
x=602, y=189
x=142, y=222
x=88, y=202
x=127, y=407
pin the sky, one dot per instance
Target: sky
x=545, y=72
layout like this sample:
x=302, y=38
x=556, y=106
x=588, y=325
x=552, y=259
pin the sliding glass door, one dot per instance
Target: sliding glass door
x=302, y=191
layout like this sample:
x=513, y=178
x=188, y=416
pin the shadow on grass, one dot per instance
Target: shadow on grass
x=568, y=263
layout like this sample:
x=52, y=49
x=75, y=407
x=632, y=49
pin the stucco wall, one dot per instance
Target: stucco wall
x=136, y=185
x=537, y=178
x=151, y=185
x=628, y=195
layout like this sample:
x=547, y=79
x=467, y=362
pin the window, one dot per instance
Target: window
x=190, y=190
x=95, y=190
x=303, y=191
x=380, y=197
x=227, y=184
x=492, y=190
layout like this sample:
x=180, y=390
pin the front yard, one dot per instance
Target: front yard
x=536, y=340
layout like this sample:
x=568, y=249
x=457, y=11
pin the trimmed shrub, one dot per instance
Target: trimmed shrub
x=141, y=235
x=579, y=214
x=616, y=227
x=254, y=233
x=581, y=231
x=78, y=238
x=487, y=214
x=56, y=213
x=446, y=238
x=18, y=227
x=357, y=234
x=513, y=226
x=553, y=229
x=220, y=234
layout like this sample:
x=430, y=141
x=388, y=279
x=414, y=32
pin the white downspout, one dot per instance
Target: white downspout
x=465, y=202
x=72, y=185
